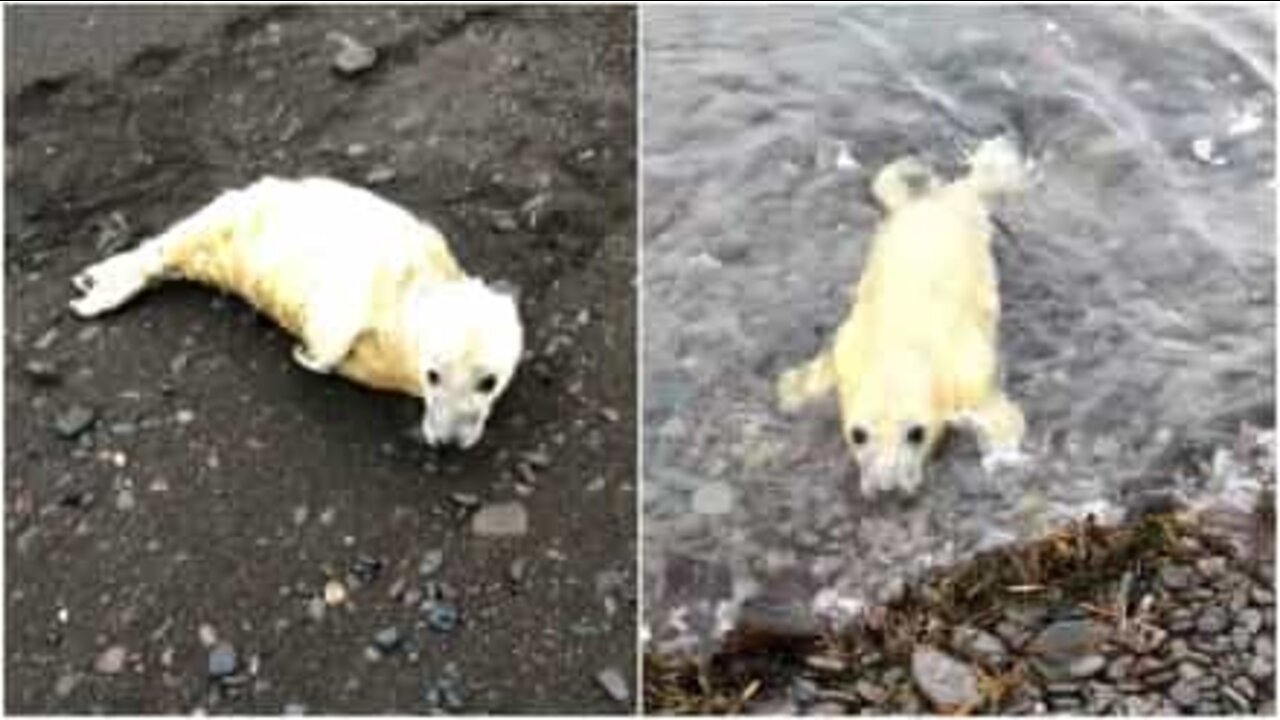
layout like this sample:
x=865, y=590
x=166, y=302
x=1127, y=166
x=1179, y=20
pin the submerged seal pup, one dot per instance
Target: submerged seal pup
x=371, y=292
x=918, y=351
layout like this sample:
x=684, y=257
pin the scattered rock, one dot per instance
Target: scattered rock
x=380, y=175
x=388, y=640
x=441, y=616
x=980, y=646
x=1212, y=621
x=1185, y=694
x=222, y=660
x=614, y=685
x=365, y=569
x=947, y=683
x=465, y=500
x=1067, y=639
x=354, y=57
x=517, y=570
x=65, y=685
x=42, y=372
x=74, y=421
x=432, y=561
x=335, y=593
x=713, y=498
x=1085, y=667
x=1176, y=577
x=125, y=500
x=111, y=661
x=508, y=519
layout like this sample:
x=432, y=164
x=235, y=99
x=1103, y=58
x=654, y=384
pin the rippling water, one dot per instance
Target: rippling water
x=1137, y=275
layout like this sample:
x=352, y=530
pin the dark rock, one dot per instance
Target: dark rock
x=365, y=569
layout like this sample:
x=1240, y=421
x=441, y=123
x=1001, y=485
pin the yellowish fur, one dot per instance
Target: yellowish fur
x=371, y=292
x=919, y=348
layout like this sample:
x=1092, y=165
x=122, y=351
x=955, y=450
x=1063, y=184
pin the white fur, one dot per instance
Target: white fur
x=323, y=258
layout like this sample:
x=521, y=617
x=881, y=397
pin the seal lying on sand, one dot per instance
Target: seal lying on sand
x=372, y=293
x=919, y=349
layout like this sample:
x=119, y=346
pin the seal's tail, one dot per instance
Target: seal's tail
x=996, y=167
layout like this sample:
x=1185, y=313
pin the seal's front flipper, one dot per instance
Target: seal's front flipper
x=999, y=426
x=805, y=383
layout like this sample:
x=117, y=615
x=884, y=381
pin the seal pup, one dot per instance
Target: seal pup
x=371, y=292
x=918, y=351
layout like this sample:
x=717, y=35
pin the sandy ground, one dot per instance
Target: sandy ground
x=178, y=494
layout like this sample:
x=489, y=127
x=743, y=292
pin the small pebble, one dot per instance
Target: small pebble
x=432, y=561
x=388, y=640
x=442, y=617
x=42, y=372
x=335, y=593
x=508, y=519
x=222, y=660
x=354, y=57
x=615, y=686
x=74, y=421
x=111, y=661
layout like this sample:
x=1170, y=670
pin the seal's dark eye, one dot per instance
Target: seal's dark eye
x=915, y=435
x=433, y=377
x=858, y=436
x=486, y=384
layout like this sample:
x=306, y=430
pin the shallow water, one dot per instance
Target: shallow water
x=1137, y=277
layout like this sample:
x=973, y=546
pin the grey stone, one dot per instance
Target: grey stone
x=1086, y=667
x=1249, y=620
x=441, y=616
x=945, y=681
x=508, y=519
x=354, y=57
x=1212, y=621
x=1176, y=577
x=42, y=373
x=111, y=661
x=980, y=646
x=615, y=686
x=222, y=660
x=74, y=420
x=1185, y=694
x=1069, y=638
x=432, y=561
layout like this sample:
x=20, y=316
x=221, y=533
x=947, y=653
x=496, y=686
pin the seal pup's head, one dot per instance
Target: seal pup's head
x=469, y=343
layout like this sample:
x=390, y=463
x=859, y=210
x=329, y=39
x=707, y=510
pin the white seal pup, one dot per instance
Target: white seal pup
x=371, y=292
x=918, y=351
